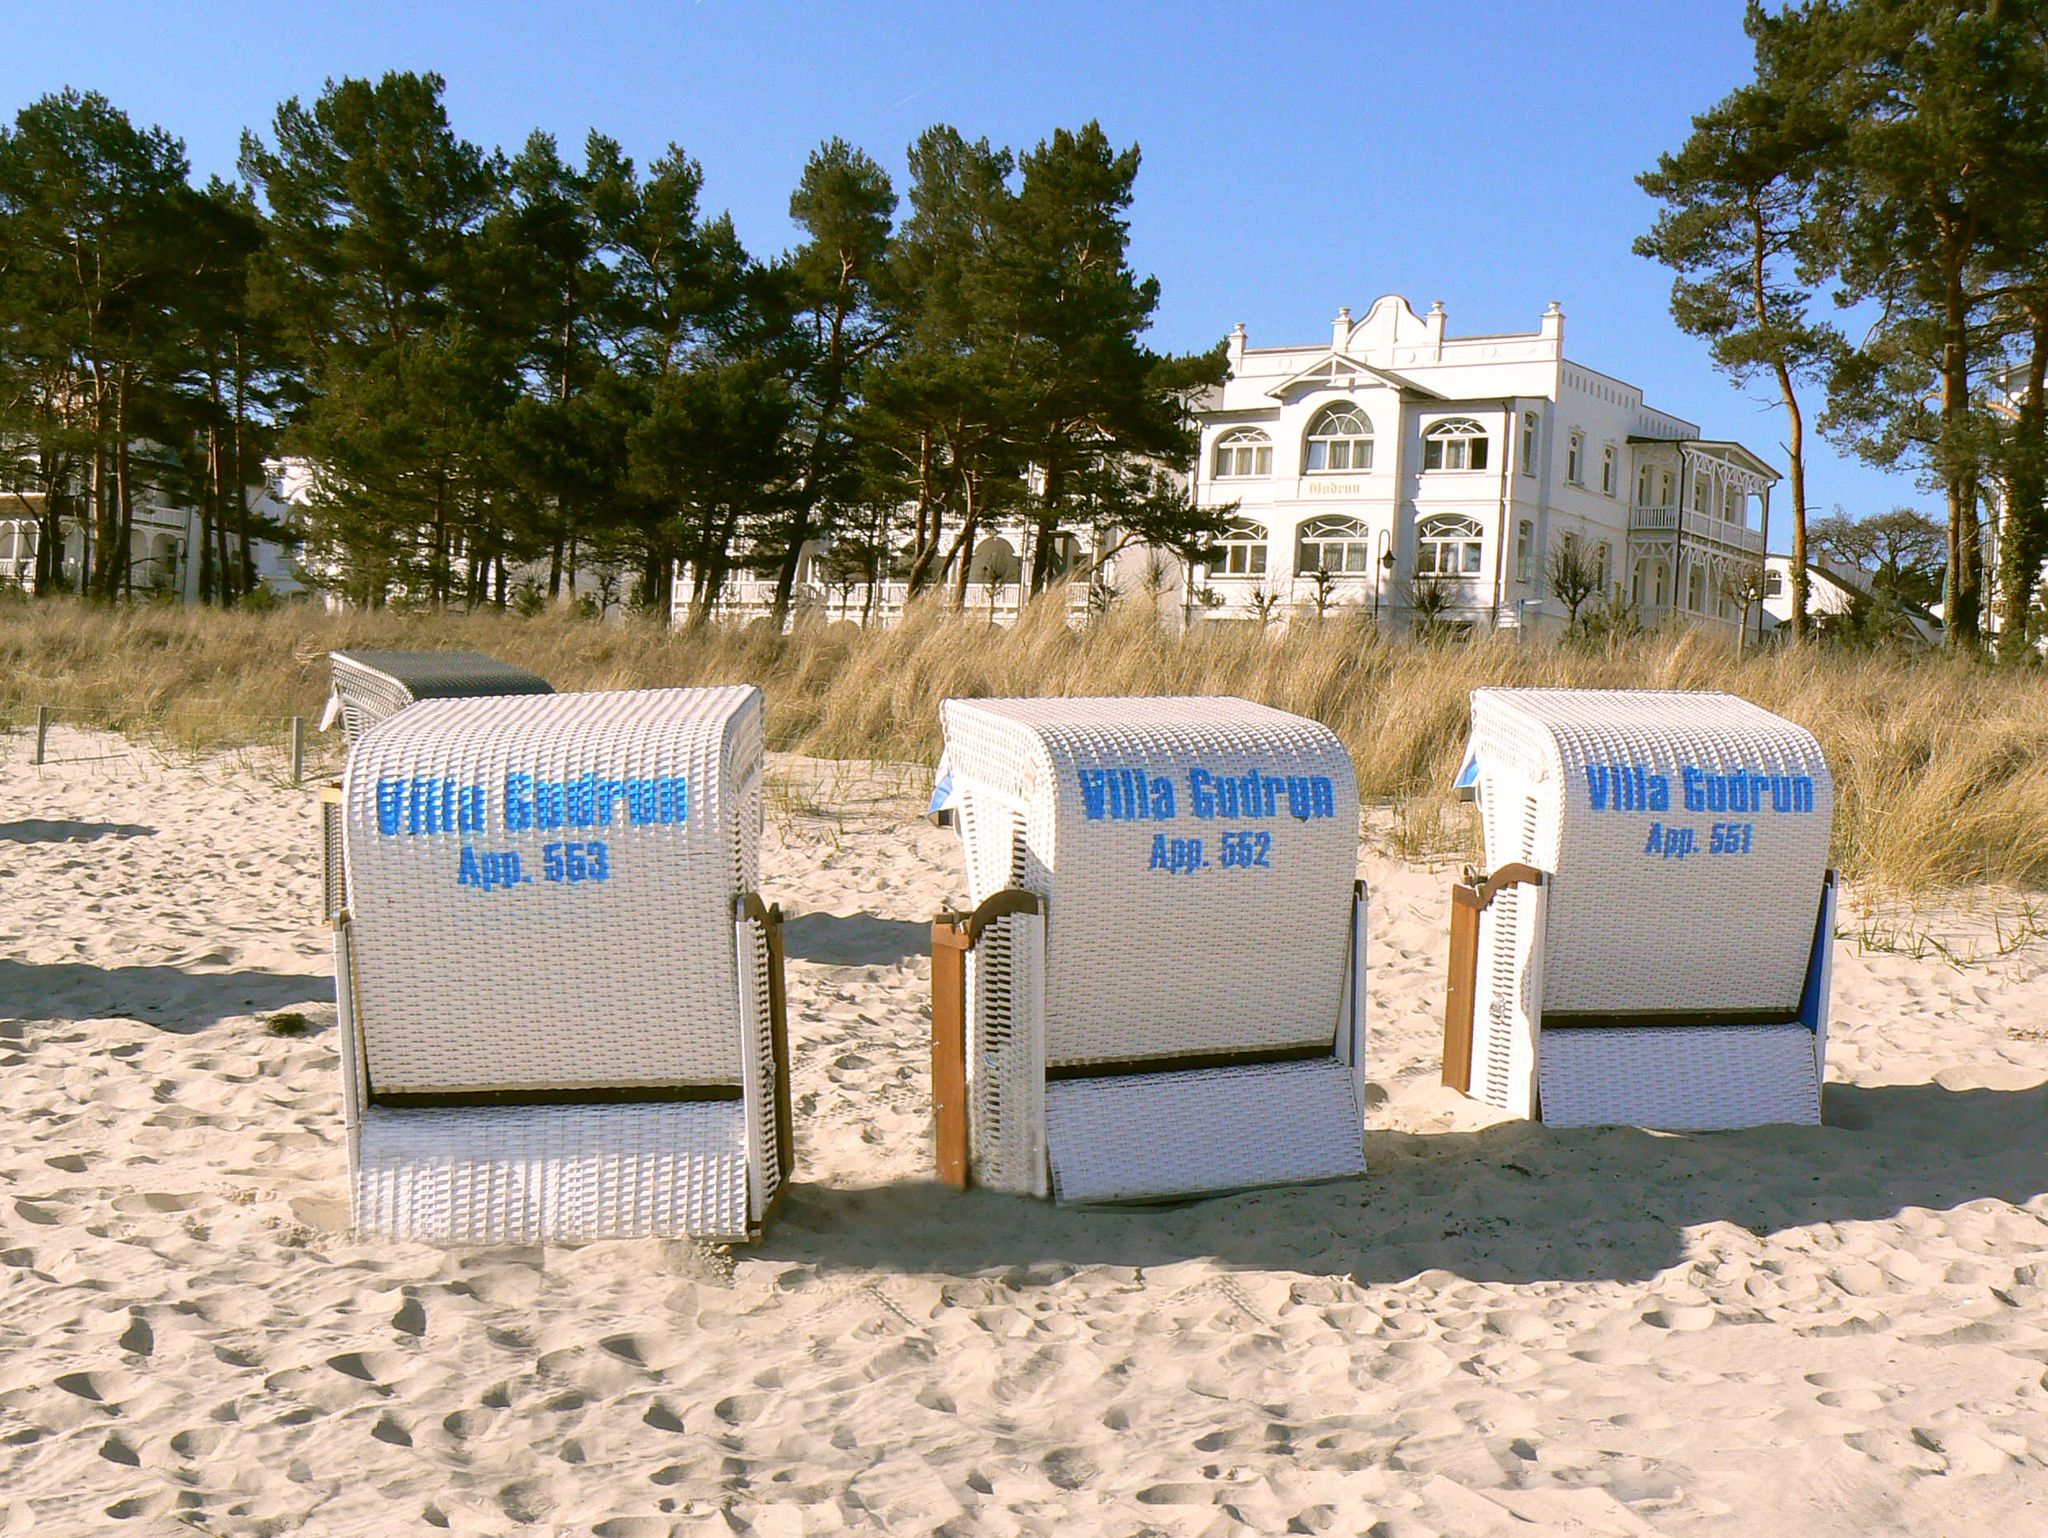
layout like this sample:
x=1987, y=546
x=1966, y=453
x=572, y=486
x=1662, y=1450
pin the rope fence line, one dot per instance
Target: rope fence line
x=48, y=736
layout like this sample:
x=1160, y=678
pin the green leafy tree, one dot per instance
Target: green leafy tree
x=1901, y=550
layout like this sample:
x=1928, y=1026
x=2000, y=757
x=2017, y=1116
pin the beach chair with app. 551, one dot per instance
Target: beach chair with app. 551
x=1648, y=944
x=1159, y=990
x=560, y=998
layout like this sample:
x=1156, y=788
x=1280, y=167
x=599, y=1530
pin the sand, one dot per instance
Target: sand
x=1503, y=1329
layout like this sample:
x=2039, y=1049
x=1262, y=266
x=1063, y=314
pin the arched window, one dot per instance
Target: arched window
x=1241, y=552
x=1459, y=444
x=1339, y=439
x=1243, y=451
x=1447, y=546
x=1340, y=546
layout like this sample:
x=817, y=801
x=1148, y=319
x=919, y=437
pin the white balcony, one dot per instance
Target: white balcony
x=1651, y=519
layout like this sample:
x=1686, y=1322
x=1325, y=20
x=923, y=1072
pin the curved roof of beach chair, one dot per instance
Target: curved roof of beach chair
x=370, y=685
x=1197, y=856
x=1687, y=837
x=542, y=891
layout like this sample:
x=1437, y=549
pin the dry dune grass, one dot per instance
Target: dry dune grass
x=1939, y=764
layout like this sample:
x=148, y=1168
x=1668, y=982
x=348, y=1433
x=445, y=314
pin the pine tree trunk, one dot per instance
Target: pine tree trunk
x=240, y=489
x=2025, y=545
x=1961, y=592
x=124, y=497
x=1045, y=527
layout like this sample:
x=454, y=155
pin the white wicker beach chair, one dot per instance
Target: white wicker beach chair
x=370, y=685
x=1160, y=991
x=561, y=999
x=1652, y=945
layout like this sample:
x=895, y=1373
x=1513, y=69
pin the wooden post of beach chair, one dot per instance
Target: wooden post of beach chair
x=953, y=938
x=563, y=1014
x=1653, y=947
x=1193, y=959
x=1470, y=898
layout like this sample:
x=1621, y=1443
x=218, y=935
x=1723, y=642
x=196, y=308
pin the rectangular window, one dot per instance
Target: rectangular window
x=1774, y=584
x=1665, y=499
x=1643, y=486
x=1528, y=443
x=1244, y=560
x=1573, y=470
x=1525, y=533
x=1607, y=470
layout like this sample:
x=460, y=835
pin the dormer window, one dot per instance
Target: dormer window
x=1458, y=444
x=1340, y=438
x=1242, y=452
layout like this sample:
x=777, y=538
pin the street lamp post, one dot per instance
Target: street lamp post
x=1381, y=568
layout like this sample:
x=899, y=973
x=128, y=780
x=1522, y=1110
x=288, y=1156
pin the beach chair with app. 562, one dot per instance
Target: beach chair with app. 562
x=1649, y=942
x=1159, y=990
x=560, y=998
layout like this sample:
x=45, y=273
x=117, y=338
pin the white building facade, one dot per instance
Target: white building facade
x=163, y=545
x=1433, y=475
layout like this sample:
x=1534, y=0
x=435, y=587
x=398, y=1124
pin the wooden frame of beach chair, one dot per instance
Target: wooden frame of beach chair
x=561, y=998
x=1652, y=946
x=1168, y=934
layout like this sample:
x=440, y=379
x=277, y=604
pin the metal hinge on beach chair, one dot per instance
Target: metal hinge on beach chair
x=954, y=937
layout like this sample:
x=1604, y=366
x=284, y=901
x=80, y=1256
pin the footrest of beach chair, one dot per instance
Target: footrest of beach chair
x=552, y=1173
x=1151, y=1136
x=1680, y=1078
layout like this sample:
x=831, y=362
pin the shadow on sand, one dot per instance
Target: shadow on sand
x=854, y=939
x=171, y=998
x=38, y=830
x=1515, y=1202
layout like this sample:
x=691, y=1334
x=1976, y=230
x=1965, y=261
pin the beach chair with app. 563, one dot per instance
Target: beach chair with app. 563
x=1159, y=990
x=560, y=998
x=1648, y=944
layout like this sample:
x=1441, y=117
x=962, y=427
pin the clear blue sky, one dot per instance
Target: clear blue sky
x=1296, y=157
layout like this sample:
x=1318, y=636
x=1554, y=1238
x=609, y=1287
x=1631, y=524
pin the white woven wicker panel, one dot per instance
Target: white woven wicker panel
x=1006, y=1060
x=1680, y=1078
x=1244, y=950
x=471, y=976
x=1157, y=1135
x=1644, y=912
x=559, y=1174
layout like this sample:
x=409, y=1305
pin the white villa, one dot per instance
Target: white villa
x=162, y=546
x=1394, y=457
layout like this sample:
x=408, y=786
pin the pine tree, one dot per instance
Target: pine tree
x=1740, y=229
